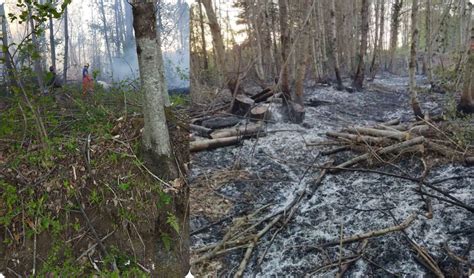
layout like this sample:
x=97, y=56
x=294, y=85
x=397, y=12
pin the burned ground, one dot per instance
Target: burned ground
x=280, y=165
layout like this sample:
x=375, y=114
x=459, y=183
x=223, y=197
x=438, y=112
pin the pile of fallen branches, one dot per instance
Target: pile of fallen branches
x=386, y=141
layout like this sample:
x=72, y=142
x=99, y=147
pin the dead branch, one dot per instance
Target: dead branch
x=373, y=234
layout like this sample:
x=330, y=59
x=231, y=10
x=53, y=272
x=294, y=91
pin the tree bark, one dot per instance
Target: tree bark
x=415, y=104
x=107, y=42
x=285, y=47
x=36, y=61
x=429, y=48
x=378, y=41
x=335, y=49
x=360, y=72
x=395, y=24
x=51, y=40
x=466, y=103
x=66, y=45
x=6, y=54
x=203, y=37
x=217, y=40
x=172, y=259
x=304, y=56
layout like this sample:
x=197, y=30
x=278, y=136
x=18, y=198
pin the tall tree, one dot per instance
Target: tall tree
x=466, y=103
x=334, y=44
x=34, y=40
x=203, y=36
x=378, y=38
x=360, y=72
x=52, y=43
x=66, y=44
x=217, y=40
x=429, y=48
x=285, y=47
x=395, y=25
x=6, y=55
x=415, y=104
x=106, y=36
x=170, y=260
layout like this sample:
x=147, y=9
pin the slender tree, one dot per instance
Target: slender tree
x=66, y=44
x=466, y=103
x=360, y=72
x=285, y=47
x=170, y=260
x=395, y=25
x=334, y=44
x=217, y=40
x=415, y=104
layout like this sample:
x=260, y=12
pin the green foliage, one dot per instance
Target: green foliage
x=172, y=221
x=61, y=263
x=167, y=240
x=9, y=205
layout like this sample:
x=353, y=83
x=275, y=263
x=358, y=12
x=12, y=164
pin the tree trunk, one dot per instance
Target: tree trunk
x=6, y=54
x=66, y=45
x=171, y=253
x=51, y=40
x=360, y=72
x=378, y=41
x=466, y=104
x=334, y=44
x=203, y=36
x=395, y=24
x=36, y=61
x=107, y=43
x=415, y=104
x=429, y=49
x=217, y=40
x=285, y=47
x=304, y=54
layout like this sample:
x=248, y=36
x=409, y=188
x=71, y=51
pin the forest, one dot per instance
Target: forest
x=333, y=138
x=240, y=138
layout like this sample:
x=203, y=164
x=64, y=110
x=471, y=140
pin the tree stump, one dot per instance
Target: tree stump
x=242, y=105
x=260, y=112
x=296, y=112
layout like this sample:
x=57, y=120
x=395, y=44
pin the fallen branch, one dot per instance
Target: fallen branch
x=372, y=234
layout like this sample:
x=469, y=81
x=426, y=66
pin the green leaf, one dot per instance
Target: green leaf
x=172, y=221
x=166, y=239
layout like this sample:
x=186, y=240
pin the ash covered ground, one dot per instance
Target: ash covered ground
x=357, y=201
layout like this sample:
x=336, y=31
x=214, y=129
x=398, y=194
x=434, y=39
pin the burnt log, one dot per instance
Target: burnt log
x=242, y=105
x=200, y=130
x=263, y=95
x=220, y=122
x=244, y=130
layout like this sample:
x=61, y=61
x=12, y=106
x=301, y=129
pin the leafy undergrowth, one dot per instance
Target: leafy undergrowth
x=87, y=180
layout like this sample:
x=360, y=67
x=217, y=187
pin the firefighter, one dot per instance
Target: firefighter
x=87, y=82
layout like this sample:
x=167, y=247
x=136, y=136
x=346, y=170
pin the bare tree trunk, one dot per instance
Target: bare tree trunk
x=360, y=72
x=169, y=259
x=217, y=40
x=107, y=43
x=203, y=36
x=66, y=45
x=36, y=61
x=335, y=49
x=378, y=40
x=415, y=104
x=429, y=49
x=6, y=54
x=285, y=47
x=51, y=40
x=466, y=103
x=395, y=25
x=303, y=57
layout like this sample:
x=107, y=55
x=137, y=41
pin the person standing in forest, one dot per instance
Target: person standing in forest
x=87, y=82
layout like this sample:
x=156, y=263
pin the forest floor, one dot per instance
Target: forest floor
x=235, y=181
